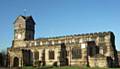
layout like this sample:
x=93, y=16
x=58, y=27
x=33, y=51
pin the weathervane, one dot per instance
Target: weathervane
x=25, y=11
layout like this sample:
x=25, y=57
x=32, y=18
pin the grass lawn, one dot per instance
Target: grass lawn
x=65, y=67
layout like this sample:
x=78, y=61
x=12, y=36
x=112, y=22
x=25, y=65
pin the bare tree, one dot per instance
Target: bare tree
x=3, y=59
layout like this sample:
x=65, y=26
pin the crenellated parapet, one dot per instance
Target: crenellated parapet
x=99, y=38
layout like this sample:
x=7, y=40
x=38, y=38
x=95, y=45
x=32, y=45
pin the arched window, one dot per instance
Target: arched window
x=51, y=54
x=76, y=53
x=36, y=55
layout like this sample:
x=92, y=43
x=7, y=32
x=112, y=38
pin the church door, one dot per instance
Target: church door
x=16, y=62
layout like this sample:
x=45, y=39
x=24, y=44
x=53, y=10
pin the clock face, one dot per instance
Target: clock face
x=20, y=25
x=19, y=36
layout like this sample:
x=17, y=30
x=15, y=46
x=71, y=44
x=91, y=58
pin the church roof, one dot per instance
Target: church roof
x=25, y=18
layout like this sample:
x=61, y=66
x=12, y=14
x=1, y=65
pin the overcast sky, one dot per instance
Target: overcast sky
x=61, y=17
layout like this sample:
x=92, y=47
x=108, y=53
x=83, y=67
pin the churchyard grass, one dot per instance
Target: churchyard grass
x=65, y=67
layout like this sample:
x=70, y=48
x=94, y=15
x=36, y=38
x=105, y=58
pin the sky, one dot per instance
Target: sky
x=61, y=17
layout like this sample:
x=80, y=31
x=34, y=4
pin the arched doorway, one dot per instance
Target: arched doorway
x=16, y=62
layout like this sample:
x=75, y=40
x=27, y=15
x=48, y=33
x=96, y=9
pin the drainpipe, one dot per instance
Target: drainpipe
x=70, y=56
x=87, y=57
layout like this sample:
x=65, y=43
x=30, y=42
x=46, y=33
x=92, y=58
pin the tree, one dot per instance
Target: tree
x=3, y=58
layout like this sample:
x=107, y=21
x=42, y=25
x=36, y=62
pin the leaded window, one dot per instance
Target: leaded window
x=51, y=54
x=92, y=50
x=36, y=55
x=76, y=53
x=103, y=48
x=101, y=39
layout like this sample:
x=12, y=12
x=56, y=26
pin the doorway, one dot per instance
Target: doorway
x=16, y=62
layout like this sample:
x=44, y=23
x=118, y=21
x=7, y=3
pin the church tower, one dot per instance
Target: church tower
x=24, y=28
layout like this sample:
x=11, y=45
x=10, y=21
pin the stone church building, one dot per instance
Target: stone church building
x=91, y=49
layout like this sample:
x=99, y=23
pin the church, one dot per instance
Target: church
x=90, y=49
